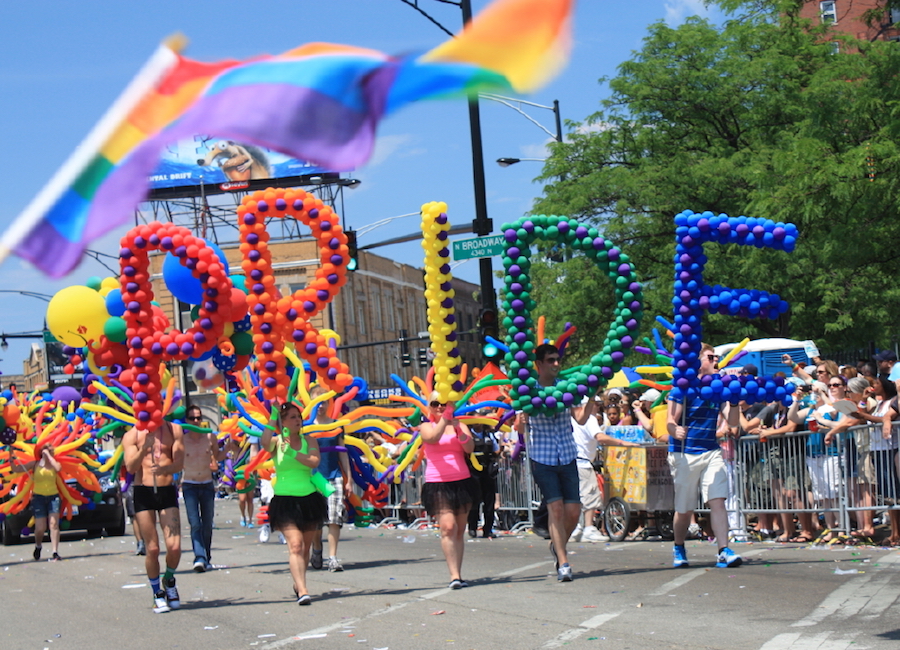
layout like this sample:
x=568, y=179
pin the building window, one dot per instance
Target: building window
x=392, y=315
x=361, y=305
x=377, y=320
x=828, y=12
x=894, y=16
x=349, y=307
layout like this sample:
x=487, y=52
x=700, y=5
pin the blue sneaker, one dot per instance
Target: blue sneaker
x=728, y=559
x=679, y=557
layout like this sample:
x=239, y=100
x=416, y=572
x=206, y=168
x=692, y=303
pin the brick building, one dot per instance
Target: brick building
x=848, y=17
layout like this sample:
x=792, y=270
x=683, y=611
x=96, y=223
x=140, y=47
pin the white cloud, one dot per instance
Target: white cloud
x=678, y=10
x=387, y=145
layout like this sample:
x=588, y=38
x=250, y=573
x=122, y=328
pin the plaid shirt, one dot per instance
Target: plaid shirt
x=552, y=439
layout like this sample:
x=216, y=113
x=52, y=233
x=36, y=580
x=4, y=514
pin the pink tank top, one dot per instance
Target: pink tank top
x=446, y=460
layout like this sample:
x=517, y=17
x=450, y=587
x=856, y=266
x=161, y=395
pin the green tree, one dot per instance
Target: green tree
x=760, y=117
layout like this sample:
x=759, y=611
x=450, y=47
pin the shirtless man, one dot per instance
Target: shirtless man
x=201, y=454
x=154, y=457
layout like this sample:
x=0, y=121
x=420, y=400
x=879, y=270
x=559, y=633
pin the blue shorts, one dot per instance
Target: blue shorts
x=557, y=481
x=44, y=505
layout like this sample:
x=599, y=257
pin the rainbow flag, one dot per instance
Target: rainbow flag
x=319, y=102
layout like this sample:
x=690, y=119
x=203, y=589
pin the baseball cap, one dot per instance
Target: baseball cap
x=886, y=355
x=614, y=391
x=750, y=369
x=650, y=395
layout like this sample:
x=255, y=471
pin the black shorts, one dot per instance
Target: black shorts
x=147, y=497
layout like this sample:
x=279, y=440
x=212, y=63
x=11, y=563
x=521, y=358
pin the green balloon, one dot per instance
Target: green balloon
x=179, y=412
x=195, y=312
x=552, y=233
x=243, y=343
x=94, y=282
x=115, y=329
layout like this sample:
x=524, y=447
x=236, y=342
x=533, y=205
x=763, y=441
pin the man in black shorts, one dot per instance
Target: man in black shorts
x=154, y=457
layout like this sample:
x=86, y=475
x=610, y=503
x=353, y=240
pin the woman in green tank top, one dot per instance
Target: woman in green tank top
x=297, y=509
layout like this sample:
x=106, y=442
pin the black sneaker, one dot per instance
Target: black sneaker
x=55, y=558
x=305, y=599
x=172, y=594
x=315, y=559
x=37, y=553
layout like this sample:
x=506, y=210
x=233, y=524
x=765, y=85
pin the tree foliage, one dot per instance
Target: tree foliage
x=758, y=117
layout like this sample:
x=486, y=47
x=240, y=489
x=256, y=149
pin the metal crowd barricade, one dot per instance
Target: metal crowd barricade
x=519, y=496
x=797, y=473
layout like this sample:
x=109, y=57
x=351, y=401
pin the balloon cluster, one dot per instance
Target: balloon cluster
x=439, y=295
x=146, y=344
x=692, y=297
x=276, y=319
x=527, y=394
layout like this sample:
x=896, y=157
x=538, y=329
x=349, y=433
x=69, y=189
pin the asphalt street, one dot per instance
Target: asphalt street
x=393, y=594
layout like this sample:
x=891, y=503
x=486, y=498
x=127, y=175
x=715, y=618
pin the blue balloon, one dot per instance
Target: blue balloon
x=181, y=281
x=114, y=303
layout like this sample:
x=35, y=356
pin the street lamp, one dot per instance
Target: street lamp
x=506, y=162
x=516, y=105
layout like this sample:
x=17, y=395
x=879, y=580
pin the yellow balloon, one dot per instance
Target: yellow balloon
x=76, y=315
x=110, y=283
x=229, y=330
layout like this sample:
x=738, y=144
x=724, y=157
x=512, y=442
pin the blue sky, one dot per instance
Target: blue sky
x=75, y=58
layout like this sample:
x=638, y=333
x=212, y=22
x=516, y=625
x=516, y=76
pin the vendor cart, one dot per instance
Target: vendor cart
x=637, y=488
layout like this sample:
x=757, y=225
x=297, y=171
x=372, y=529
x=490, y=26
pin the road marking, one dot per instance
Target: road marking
x=586, y=626
x=858, y=594
x=388, y=610
x=795, y=641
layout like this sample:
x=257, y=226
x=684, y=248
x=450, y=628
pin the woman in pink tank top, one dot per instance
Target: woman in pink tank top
x=449, y=488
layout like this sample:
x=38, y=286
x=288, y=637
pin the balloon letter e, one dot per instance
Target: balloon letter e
x=692, y=297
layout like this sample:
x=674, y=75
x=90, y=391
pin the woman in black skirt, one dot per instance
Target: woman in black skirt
x=297, y=509
x=449, y=487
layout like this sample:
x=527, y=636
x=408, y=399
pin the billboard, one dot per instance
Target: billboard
x=218, y=161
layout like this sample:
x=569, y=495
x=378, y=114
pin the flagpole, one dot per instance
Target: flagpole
x=157, y=66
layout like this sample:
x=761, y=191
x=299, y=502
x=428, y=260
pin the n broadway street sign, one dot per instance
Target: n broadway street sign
x=467, y=249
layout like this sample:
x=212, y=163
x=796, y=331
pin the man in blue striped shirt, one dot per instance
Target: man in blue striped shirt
x=552, y=451
x=695, y=459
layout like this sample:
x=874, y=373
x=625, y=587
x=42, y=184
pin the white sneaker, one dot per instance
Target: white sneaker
x=576, y=534
x=591, y=534
x=694, y=531
x=281, y=538
x=264, y=533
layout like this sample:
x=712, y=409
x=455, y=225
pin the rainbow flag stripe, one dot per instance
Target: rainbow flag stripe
x=319, y=102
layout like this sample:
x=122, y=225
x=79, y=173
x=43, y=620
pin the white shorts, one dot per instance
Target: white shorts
x=692, y=472
x=588, y=489
x=825, y=476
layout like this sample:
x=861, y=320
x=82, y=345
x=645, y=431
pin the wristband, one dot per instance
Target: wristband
x=464, y=439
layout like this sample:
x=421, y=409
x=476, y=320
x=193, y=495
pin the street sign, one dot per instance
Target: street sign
x=467, y=249
x=48, y=337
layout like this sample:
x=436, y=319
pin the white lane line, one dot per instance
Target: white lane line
x=387, y=610
x=781, y=642
x=683, y=579
x=854, y=595
x=586, y=626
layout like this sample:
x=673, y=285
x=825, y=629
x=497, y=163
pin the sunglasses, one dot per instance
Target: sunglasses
x=836, y=385
x=437, y=405
x=712, y=357
x=194, y=418
x=821, y=372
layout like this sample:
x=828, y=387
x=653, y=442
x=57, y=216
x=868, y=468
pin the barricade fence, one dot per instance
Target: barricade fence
x=845, y=480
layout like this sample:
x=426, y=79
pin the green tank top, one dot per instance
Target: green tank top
x=294, y=478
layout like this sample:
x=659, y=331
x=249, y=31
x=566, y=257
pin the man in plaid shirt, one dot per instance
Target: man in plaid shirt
x=552, y=451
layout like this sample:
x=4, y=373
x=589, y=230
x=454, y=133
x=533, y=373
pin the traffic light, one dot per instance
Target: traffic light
x=405, y=360
x=423, y=358
x=489, y=327
x=353, y=262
